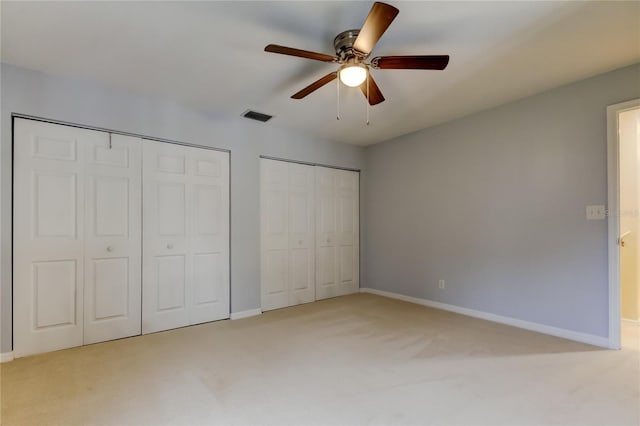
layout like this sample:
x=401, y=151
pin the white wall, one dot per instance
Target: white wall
x=34, y=93
x=494, y=204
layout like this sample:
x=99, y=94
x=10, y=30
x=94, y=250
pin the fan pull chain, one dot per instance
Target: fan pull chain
x=338, y=98
x=367, y=99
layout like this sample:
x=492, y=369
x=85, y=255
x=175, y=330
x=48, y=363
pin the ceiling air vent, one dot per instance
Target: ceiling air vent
x=257, y=116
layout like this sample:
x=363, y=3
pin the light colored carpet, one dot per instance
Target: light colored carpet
x=360, y=359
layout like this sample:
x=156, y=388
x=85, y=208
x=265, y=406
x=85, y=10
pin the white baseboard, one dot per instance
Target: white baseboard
x=6, y=357
x=246, y=314
x=527, y=325
x=630, y=321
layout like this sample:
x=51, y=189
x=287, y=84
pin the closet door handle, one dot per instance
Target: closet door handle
x=169, y=246
x=109, y=249
x=299, y=242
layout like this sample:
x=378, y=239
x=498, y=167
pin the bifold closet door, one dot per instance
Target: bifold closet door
x=76, y=237
x=48, y=236
x=337, y=232
x=185, y=236
x=112, y=239
x=287, y=234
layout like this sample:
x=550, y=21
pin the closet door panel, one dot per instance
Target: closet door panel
x=347, y=264
x=112, y=239
x=275, y=280
x=171, y=283
x=48, y=274
x=301, y=234
x=326, y=234
x=337, y=232
x=172, y=205
x=287, y=234
x=165, y=272
x=347, y=215
x=208, y=230
x=208, y=278
x=326, y=274
x=111, y=293
x=274, y=241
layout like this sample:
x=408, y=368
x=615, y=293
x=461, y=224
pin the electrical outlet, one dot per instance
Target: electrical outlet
x=441, y=284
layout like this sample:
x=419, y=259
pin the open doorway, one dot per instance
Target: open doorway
x=623, y=122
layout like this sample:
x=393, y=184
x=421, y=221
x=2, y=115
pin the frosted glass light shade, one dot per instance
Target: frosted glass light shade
x=353, y=75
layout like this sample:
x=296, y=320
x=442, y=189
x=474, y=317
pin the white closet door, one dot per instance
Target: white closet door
x=301, y=234
x=275, y=234
x=185, y=236
x=48, y=235
x=287, y=234
x=208, y=232
x=326, y=233
x=113, y=248
x=337, y=227
x=164, y=238
x=348, y=234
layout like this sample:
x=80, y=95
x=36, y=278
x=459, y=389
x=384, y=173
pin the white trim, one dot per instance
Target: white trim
x=527, y=325
x=630, y=321
x=613, y=189
x=6, y=357
x=246, y=314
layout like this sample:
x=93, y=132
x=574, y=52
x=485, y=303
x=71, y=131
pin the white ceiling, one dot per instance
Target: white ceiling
x=210, y=54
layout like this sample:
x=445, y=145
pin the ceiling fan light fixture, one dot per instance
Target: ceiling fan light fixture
x=353, y=75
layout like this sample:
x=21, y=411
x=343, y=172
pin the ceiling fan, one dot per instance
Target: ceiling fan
x=353, y=47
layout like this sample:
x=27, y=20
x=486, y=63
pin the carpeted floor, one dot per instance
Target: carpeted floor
x=360, y=359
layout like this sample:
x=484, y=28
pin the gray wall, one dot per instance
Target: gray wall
x=494, y=204
x=38, y=94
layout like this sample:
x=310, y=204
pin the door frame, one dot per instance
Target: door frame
x=613, y=189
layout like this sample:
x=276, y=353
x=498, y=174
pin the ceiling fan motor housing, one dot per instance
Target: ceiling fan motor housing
x=343, y=44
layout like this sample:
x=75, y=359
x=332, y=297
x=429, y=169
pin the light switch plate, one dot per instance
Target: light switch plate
x=597, y=212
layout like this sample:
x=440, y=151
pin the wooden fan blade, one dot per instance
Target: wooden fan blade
x=424, y=62
x=315, y=85
x=375, y=95
x=380, y=17
x=283, y=50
